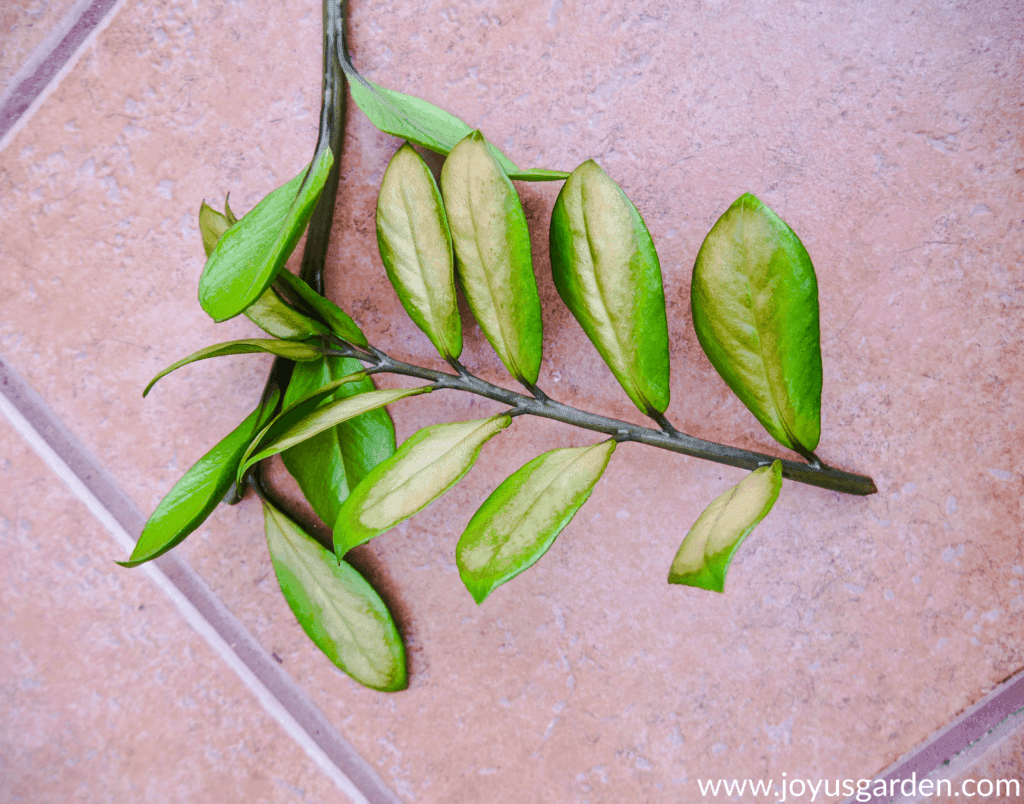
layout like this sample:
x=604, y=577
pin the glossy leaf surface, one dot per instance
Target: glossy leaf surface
x=416, y=249
x=607, y=272
x=520, y=520
x=328, y=464
x=492, y=247
x=704, y=556
x=755, y=309
x=251, y=252
x=336, y=607
x=340, y=323
x=327, y=416
x=288, y=349
x=429, y=463
x=425, y=124
x=194, y=497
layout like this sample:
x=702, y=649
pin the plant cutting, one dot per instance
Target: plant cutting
x=755, y=311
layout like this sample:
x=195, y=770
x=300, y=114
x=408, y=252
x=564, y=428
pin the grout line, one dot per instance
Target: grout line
x=948, y=750
x=50, y=62
x=275, y=690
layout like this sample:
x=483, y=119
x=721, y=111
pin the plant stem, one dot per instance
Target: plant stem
x=667, y=438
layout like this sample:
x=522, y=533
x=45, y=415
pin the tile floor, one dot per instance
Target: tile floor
x=887, y=136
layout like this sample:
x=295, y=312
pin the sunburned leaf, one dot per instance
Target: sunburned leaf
x=333, y=316
x=336, y=607
x=425, y=124
x=251, y=252
x=288, y=349
x=607, y=272
x=520, y=520
x=755, y=309
x=325, y=417
x=494, y=263
x=429, y=463
x=416, y=249
x=194, y=497
x=328, y=464
x=704, y=556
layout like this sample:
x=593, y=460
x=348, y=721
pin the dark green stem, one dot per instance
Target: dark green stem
x=667, y=438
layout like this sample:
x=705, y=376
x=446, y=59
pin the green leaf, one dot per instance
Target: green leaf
x=194, y=497
x=336, y=607
x=212, y=226
x=425, y=124
x=429, y=463
x=296, y=411
x=333, y=316
x=704, y=556
x=607, y=272
x=288, y=349
x=519, y=521
x=492, y=247
x=416, y=249
x=270, y=313
x=755, y=309
x=325, y=417
x=328, y=464
x=228, y=214
x=251, y=252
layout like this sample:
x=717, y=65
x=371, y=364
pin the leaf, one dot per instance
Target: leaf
x=755, y=309
x=429, y=463
x=327, y=416
x=252, y=251
x=607, y=272
x=328, y=464
x=270, y=313
x=520, y=520
x=425, y=124
x=336, y=607
x=288, y=349
x=194, y=497
x=333, y=316
x=228, y=214
x=704, y=556
x=416, y=249
x=492, y=247
x=212, y=226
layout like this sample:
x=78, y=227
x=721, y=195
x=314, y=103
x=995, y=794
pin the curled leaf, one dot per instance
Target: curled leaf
x=492, y=247
x=325, y=417
x=328, y=464
x=755, y=309
x=251, y=252
x=336, y=607
x=607, y=272
x=704, y=556
x=340, y=323
x=288, y=349
x=202, y=487
x=270, y=313
x=429, y=463
x=520, y=520
x=212, y=226
x=416, y=249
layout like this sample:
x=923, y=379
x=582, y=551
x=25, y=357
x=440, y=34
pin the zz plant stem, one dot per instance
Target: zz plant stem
x=668, y=438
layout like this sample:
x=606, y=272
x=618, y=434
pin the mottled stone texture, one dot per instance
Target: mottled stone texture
x=106, y=695
x=888, y=136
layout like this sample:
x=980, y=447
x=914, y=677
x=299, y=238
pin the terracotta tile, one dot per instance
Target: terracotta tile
x=851, y=629
x=24, y=24
x=108, y=695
